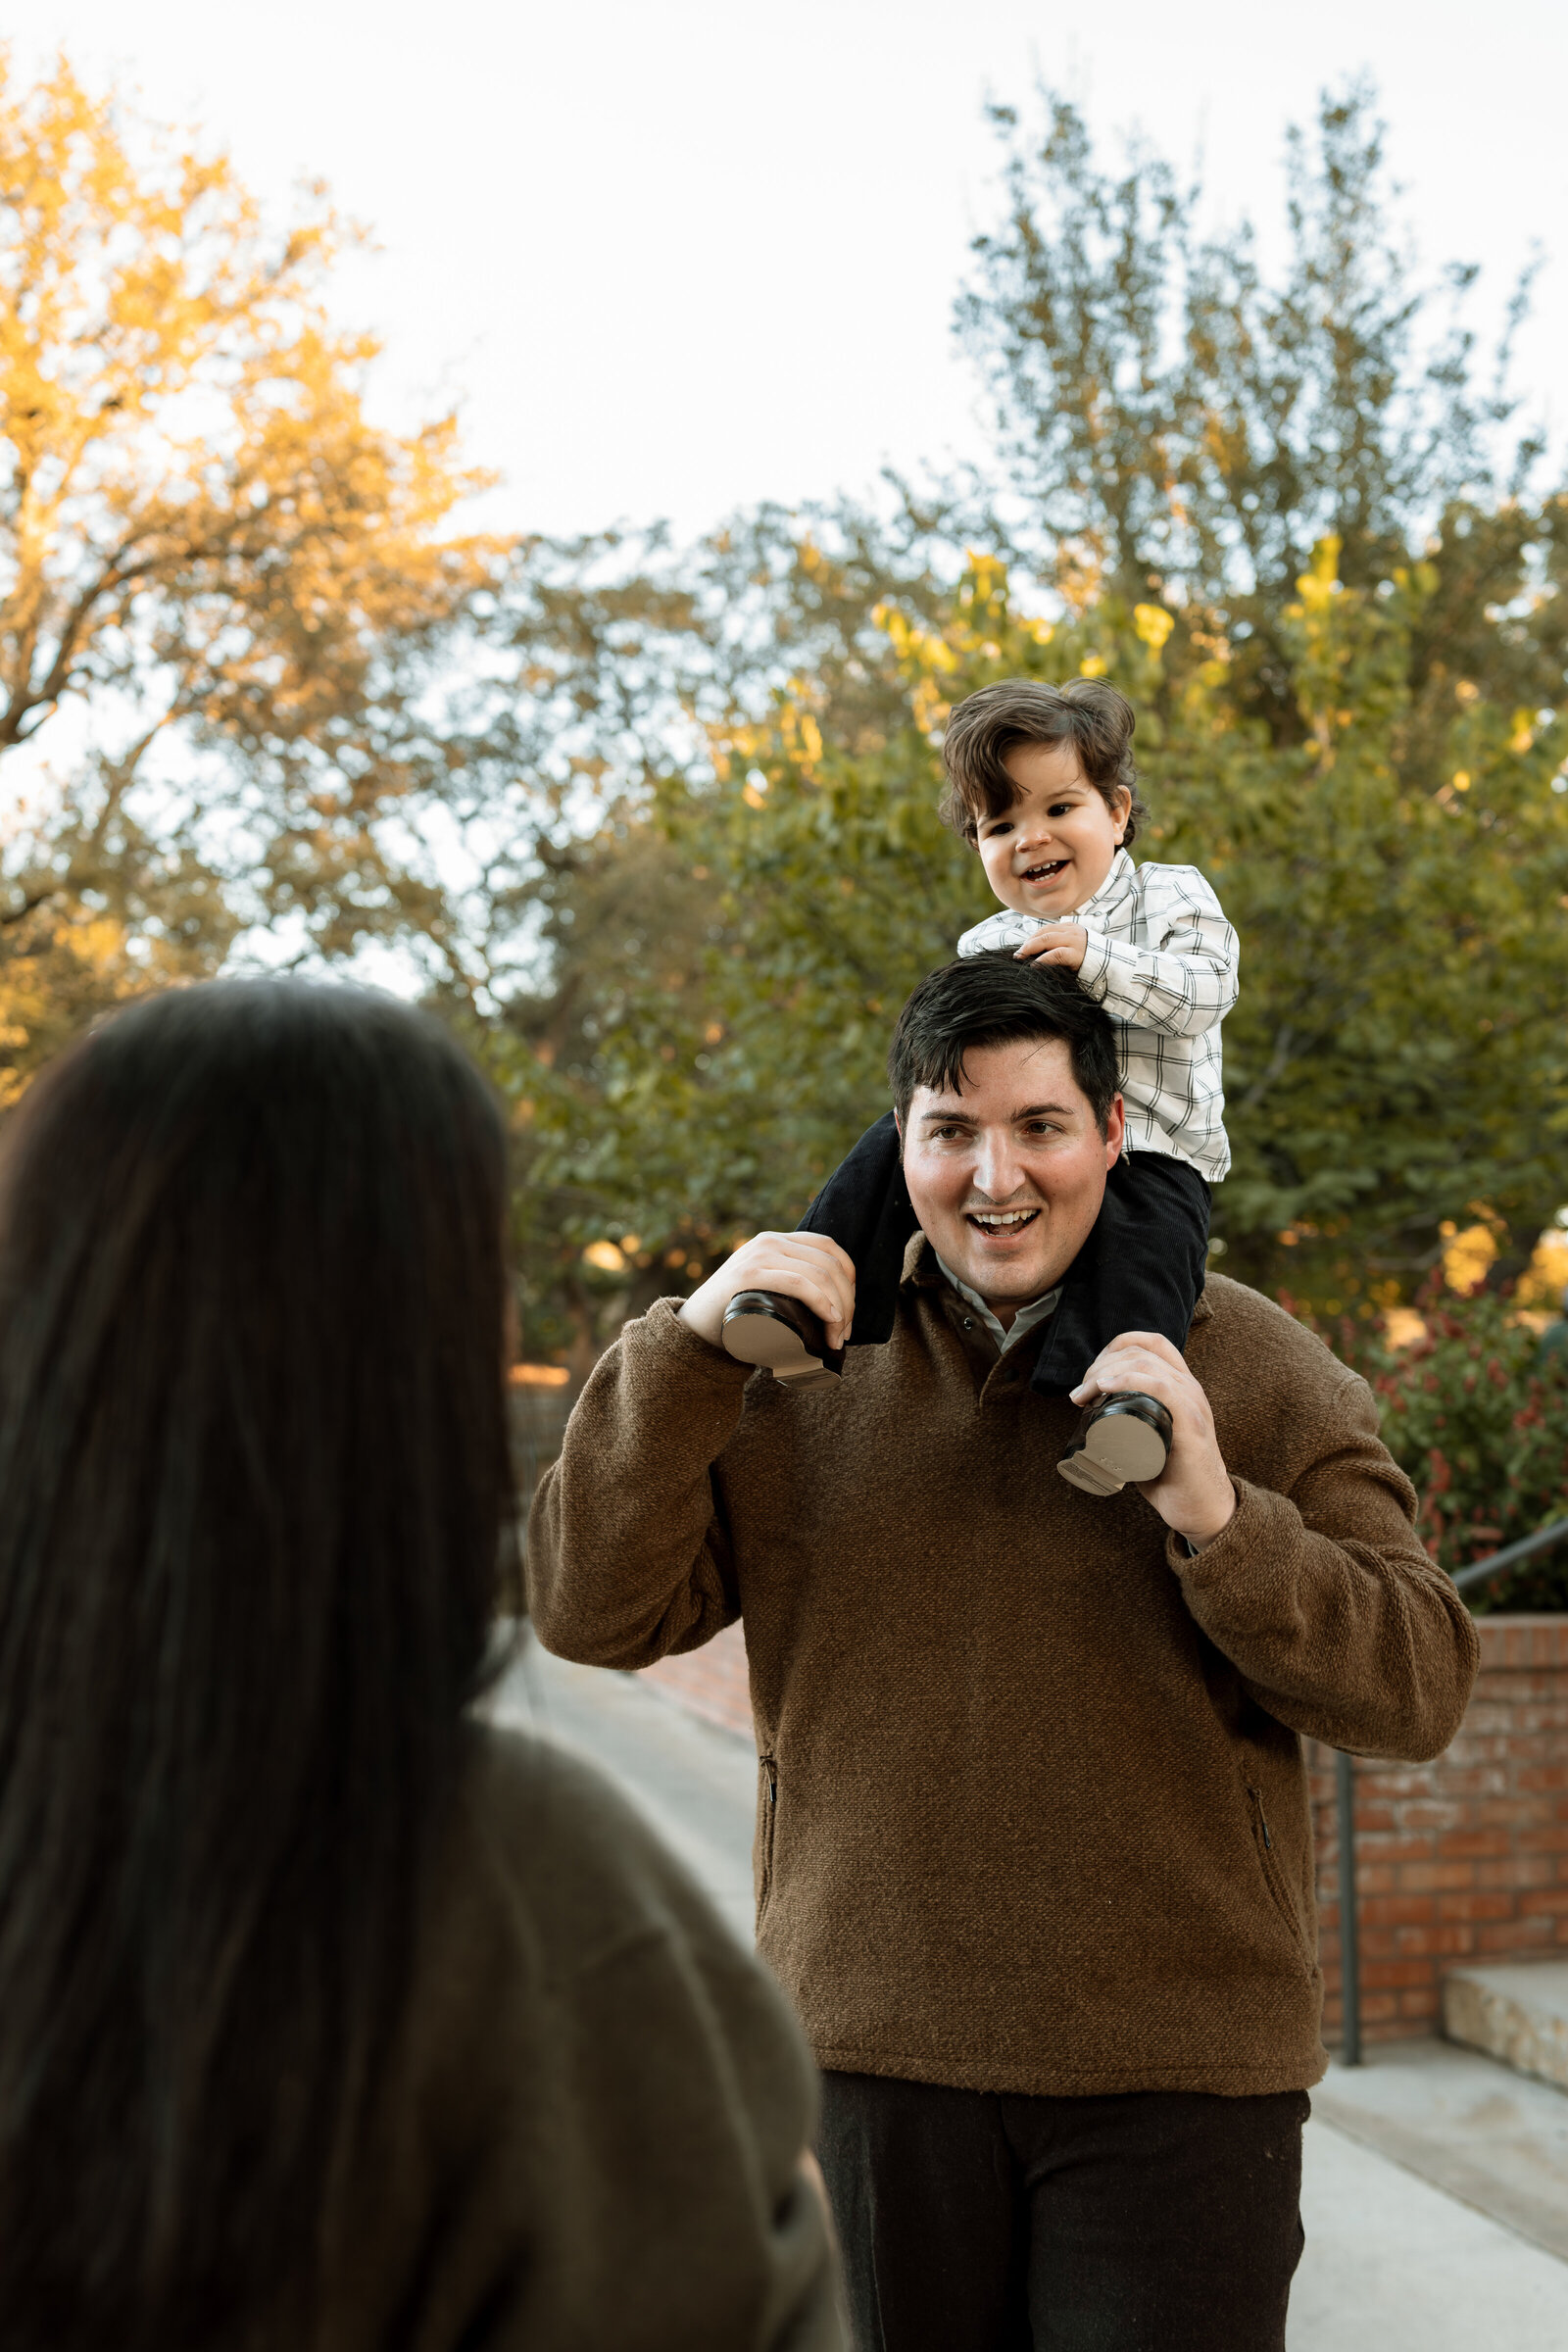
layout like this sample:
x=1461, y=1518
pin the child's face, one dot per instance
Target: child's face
x=1054, y=848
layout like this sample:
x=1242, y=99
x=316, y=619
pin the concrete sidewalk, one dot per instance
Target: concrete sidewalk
x=1394, y=2262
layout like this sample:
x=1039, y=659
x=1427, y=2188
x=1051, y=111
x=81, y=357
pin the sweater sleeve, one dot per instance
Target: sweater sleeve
x=1185, y=984
x=629, y=1557
x=1332, y=1614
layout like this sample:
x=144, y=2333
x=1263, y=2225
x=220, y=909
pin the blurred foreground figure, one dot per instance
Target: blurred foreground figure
x=327, y=2015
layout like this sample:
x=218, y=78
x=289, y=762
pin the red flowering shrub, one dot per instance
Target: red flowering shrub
x=1476, y=1414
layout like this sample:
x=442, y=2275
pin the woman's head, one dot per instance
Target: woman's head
x=253, y=1490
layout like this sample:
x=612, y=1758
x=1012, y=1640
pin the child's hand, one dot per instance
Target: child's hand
x=1057, y=943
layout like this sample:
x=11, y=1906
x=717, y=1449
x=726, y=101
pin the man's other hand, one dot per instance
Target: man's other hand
x=807, y=1266
x=1193, y=1493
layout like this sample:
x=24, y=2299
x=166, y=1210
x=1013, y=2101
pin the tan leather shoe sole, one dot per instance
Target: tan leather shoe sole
x=759, y=1334
x=1120, y=1441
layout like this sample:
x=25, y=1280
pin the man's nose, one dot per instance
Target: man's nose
x=997, y=1172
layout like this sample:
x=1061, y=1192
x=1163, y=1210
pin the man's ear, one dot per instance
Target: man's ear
x=1115, y=1131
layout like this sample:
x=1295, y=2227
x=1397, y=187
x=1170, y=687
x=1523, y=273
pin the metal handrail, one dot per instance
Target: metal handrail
x=1480, y=1572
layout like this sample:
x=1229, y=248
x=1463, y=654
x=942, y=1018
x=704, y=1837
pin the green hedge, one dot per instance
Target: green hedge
x=1476, y=1413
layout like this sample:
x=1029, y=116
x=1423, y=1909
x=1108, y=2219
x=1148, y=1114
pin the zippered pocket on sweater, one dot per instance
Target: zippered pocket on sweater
x=1275, y=1881
x=767, y=1815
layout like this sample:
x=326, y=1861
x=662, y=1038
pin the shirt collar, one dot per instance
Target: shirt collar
x=1114, y=888
x=1006, y=1336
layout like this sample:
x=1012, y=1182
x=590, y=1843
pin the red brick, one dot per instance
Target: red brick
x=1428, y=1815
x=1552, y=1900
x=1436, y=1943
x=1394, y=1911
x=1475, y=1843
x=1551, y=1840
x=1498, y=1905
x=1393, y=1849
x=1435, y=1877
x=1515, y=1936
x=1513, y=1812
x=1396, y=1972
x=1520, y=1870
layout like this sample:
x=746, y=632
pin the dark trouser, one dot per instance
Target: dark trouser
x=1150, y=2221
x=1141, y=1268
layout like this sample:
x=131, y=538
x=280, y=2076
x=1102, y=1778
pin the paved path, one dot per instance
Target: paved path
x=1393, y=2263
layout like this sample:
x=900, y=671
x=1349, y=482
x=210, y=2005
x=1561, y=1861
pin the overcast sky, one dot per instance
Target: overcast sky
x=676, y=257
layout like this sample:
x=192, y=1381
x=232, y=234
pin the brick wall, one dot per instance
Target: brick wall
x=1462, y=1860
x=712, y=1682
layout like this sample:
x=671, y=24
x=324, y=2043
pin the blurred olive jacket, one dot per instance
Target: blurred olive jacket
x=591, y=2127
x=1032, y=1805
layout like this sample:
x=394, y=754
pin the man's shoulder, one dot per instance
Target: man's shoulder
x=1238, y=1332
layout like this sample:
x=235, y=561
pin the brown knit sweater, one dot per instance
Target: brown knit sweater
x=591, y=2127
x=1032, y=1811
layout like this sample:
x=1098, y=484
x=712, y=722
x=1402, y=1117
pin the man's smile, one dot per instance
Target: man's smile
x=1001, y=1220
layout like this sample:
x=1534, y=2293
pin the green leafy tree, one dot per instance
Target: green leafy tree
x=1476, y=1414
x=1281, y=516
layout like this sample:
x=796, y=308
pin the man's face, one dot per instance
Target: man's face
x=1006, y=1175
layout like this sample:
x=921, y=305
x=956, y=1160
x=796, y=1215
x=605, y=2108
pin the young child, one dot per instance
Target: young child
x=1041, y=780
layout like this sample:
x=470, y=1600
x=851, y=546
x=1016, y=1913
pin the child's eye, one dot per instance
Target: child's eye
x=1062, y=809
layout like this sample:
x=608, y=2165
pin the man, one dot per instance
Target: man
x=1033, y=1856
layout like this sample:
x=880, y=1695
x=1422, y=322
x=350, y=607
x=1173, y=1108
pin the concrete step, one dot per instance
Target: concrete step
x=1518, y=2014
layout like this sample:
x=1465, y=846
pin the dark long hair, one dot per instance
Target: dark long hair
x=253, y=1481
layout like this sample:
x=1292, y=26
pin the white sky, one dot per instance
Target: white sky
x=679, y=256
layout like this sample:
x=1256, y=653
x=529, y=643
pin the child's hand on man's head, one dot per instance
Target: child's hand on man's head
x=1057, y=943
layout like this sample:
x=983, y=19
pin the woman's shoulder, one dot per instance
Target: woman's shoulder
x=547, y=1841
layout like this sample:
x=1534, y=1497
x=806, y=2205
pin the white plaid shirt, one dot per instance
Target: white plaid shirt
x=1161, y=959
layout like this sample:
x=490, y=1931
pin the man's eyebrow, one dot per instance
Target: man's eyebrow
x=949, y=1116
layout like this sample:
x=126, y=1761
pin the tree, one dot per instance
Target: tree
x=1396, y=1057
x=1171, y=421
x=1285, y=519
x=224, y=590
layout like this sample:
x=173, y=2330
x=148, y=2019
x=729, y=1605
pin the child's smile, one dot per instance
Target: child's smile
x=1055, y=846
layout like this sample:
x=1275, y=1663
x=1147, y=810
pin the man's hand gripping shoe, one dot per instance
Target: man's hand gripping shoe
x=1121, y=1438
x=768, y=1328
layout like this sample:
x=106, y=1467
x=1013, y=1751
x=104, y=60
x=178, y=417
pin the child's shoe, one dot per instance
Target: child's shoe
x=1123, y=1438
x=766, y=1327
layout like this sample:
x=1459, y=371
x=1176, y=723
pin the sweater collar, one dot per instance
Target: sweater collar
x=1006, y=1335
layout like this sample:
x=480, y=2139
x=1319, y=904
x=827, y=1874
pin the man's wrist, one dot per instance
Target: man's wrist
x=1204, y=1527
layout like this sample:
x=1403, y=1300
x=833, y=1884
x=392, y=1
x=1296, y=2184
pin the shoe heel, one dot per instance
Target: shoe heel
x=780, y=1335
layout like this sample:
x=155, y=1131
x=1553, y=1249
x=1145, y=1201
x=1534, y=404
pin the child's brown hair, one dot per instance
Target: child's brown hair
x=1087, y=712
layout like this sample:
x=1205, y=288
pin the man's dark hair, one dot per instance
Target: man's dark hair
x=994, y=1000
x=1087, y=712
x=253, y=1485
